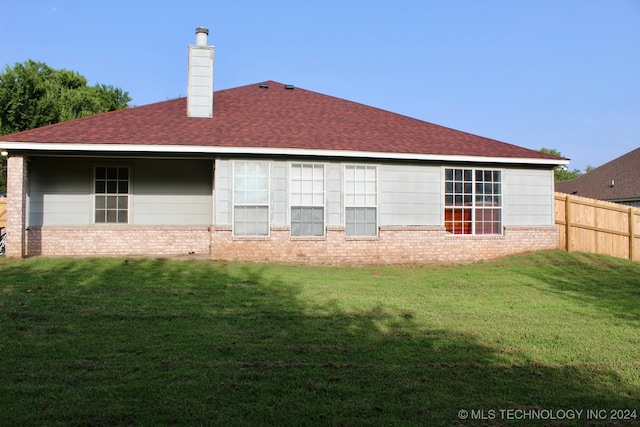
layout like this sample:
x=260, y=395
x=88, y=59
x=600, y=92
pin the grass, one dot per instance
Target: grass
x=160, y=342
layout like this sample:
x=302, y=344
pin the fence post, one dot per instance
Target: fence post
x=567, y=220
x=632, y=237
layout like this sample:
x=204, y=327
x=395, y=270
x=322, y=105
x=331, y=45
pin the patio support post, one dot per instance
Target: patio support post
x=16, y=206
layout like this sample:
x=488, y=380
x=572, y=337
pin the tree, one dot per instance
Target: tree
x=561, y=173
x=32, y=94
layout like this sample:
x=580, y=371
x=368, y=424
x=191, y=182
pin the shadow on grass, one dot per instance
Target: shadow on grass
x=152, y=342
x=609, y=284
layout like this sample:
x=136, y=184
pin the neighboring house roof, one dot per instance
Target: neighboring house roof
x=272, y=120
x=618, y=180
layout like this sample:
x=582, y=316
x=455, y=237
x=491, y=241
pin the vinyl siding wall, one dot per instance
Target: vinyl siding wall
x=59, y=192
x=223, y=200
x=179, y=192
x=528, y=197
x=162, y=192
x=408, y=195
x=279, y=193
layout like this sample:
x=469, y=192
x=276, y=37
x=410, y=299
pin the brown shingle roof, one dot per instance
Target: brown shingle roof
x=623, y=171
x=249, y=116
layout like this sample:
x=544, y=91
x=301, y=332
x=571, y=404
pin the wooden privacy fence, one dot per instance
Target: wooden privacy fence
x=3, y=212
x=589, y=225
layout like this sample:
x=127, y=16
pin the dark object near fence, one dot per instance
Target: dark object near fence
x=3, y=236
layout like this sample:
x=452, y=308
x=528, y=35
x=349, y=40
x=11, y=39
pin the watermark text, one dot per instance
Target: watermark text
x=548, y=414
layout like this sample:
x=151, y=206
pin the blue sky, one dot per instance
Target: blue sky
x=561, y=74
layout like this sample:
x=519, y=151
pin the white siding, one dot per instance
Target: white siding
x=200, y=84
x=528, y=197
x=171, y=192
x=170, y=209
x=334, y=196
x=279, y=193
x=162, y=192
x=410, y=195
x=59, y=192
x=179, y=192
x=223, y=192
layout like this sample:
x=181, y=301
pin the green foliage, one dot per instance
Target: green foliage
x=162, y=342
x=32, y=94
x=561, y=173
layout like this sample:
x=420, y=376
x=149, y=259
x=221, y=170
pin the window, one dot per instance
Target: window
x=307, y=199
x=473, y=201
x=251, y=199
x=361, y=200
x=111, y=190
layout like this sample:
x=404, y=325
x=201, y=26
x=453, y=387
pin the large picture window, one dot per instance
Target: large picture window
x=361, y=200
x=251, y=198
x=473, y=201
x=307, y=199
x=111, y=192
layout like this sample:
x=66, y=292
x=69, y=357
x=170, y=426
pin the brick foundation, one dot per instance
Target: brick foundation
x=394, y=245
x=118, y=241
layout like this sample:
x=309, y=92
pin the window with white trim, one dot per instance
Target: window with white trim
x=307, y=199
x=111, y=194
x=361, y=200
x=473, y=201
x=250, y=198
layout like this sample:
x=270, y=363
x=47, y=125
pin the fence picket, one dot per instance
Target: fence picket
x=595, y=226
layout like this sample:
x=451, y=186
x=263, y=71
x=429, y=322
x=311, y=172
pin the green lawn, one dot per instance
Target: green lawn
x=161, y=342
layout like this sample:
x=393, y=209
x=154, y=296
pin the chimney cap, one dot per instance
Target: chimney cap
x=202, y=30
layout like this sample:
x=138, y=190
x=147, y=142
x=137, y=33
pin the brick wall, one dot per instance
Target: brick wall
x=117, y=241
x=394, y=245
x=16, y=205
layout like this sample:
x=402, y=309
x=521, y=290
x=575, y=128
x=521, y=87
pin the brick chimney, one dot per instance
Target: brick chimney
x=200, y=85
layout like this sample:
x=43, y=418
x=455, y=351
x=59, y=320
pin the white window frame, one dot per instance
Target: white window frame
x=365, y=197
x=469, y=199
x=239, y=204
x=317, y=200
x=117, y=194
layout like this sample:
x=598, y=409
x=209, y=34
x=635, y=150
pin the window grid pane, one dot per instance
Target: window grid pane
x=473, y=201
x=307, y=221
x=251, y=183
x=307, y=199
x=251, y=198
x=361, y=200
x=361, y=186
x=251, y=221
x=111, y=189
x=361, y=222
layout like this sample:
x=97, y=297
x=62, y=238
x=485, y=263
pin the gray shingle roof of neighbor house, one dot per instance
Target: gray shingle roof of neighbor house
x=618, y=180
x=273, y=118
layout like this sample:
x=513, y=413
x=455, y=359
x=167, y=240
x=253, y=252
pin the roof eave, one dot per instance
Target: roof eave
x=200, y=149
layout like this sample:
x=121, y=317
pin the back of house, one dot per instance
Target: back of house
x=273, y=172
